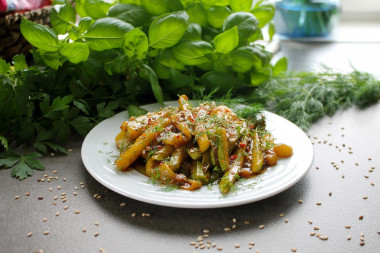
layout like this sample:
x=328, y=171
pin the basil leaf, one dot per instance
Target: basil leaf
x=51, y=59
x=241, y=5
x=271, y=30
x=117, y=65
x=193, y=32
x=216, y=16
x=107, y=33
x=162, y=71
x=159, y=7
x=197, y=14
x=166, y=58
x=166, y=30
x=193, y=52
x=135, y=44
x=75, y=52
x=264, y=13
x=39, y=36
x=280, y=67
x=62, y=17
x=148, y=74
x=243, y=59
x=258, y=77
x=227, y=41
x=180, y=83
x=222, y=81
x=245, y=21
x=92, y=8
x=130, y=13
x=84, y=24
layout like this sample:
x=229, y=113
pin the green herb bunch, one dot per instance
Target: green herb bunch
x=173, y=45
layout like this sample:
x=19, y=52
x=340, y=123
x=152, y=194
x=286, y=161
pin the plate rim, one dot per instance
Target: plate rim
x=190, y=205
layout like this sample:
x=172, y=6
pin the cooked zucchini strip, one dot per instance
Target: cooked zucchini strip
x=222, y=145
x=131, y=154
x=257, y=154
x=229, y=177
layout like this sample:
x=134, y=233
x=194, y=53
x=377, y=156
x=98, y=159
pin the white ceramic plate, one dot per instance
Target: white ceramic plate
x=99, y=152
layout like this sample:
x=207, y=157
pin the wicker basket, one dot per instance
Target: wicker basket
x=11, y=40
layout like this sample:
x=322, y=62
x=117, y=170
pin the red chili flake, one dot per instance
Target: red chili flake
x=242, y=145
x=177, y=136
x=159, y=147
x=148, y=148
x=252, y=126
x=233, y=157
x=149, y=121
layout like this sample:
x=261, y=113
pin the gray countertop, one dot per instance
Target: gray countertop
x=344, y=178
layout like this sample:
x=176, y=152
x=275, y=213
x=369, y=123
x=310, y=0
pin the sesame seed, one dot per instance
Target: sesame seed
x=55, y=171
x=65, y=207
x=233, y=226
x=46, y=232
x=63, y=194
x=76, y=187
x=286, y=220
x=361, y=217
x=55, y=197
x=44, y=219
x=250, y=247
x=27, y=194
x=252, y=243
x=50, y=189
x=348, y=238
x=96, y=223
x=206, y=231
x=17, y=197
x=294, y=249
x=227, y=229
x=261, y=226
x=54, y=203
x=76, y=211
x=378, y=232
x=330, y=193
x=316, y=228
x=64, y=179
x=42, y=180
x=362, y=239
x=57, y=213
x=75, y=193
x=310, y=221
x=365, y=197
x=59, y=187
x=362, y=243
x=300, y=201
x=323, y=237
x=234, y=220
x=237, y=245
x=81, y=183
x=319, y=203
x=372, y=183
x=219, y=248
x=96, y=234
x=123, y=204
x=84, y=230
x=70, y=150
x=40, y=198
x=202, y=247
x=205, y=235
x=347, y=226
x=361, y=234
x=312, y=234
x=56, y=178
x=101, y=250
x=247, y=222
x=29, y=234
x=281, y=215
x=193, y=243
x=133, y=214
x=366, y=176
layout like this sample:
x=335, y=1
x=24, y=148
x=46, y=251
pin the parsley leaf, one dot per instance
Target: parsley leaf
x=22, y=166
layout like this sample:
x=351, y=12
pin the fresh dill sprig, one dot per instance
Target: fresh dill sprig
x=304, y=97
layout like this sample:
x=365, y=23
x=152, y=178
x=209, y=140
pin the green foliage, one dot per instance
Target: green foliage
x=22, y=165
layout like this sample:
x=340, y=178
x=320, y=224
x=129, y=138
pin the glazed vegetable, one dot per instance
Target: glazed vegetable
x=167, y=144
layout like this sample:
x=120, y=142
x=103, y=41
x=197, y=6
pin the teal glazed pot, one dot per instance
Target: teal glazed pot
x=306, y=18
